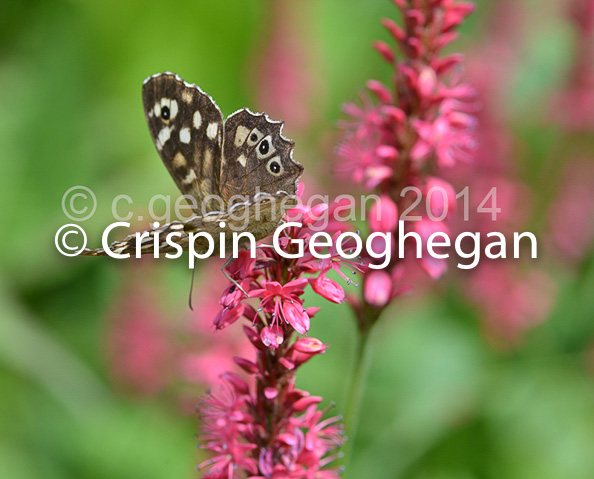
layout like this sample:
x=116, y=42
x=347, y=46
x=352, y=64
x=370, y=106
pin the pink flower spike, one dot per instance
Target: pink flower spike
x=379, y=90
x=309, y=346
x=287, y=363
x=228, y=316
x=416, y=47
x=383, y=215
x=314, y=214
x=297, y=211
x=441, y=196
x=374, y=175
x=272, y=336
x=288, y=439
x=386, y=152
x=447, y=63
x=409, y=74
x=395, y=113
x=445, y=39
x=294, y=287
x=435, y=267
x=245, y=364
x=238, y=383
x=461, y=120
x=232, y=296
x=427, y=82
x=328, y=288
x=254, y=337
x=455, y=15
x=265, y=464
x=384, y=50
x=425, y=228
x=394, y=29
x=415, y=17
x=296, y=317
x=270, y=393
x=243, y=266
x=300, y=189
x=303, y=403
x=378, y=288
x=304, y=349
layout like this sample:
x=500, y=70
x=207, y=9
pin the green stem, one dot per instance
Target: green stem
x=355, y=393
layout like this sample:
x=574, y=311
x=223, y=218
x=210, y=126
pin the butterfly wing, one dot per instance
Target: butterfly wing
x=147, y=241
x=261, y=215
x=187, y=128
x=258, y=167
x=257, y=158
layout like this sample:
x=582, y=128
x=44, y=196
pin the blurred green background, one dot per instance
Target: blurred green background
x=445, y=399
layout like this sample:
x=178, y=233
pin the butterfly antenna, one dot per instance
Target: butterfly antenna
x=191, y=289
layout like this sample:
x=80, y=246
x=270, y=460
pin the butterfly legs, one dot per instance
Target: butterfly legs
x=231, y=258
x=223, y=270
x=226, y=275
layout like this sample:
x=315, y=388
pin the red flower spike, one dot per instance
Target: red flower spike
x=328, y=288
x=254, y=338
x=445, y=65
x=237, y=382
x=378, y=288
x=385, y=51
x=386, y=152
x=287, y=363
x=248, y=366
x=428, y=123
x=272, y=336
x=414, y=18
x=228, y=316
x=383, y=215
x=416, y=47
x=455, y=15
x=314, y=214
x=296, y=316
x=446, y=39
x=395, y=114
x=379, y=90
x=435, y=267
x=302, y=404
x=309, y=345
x=427, y=83
x=298, y=442
x=270, y=393
x=300, y=190
x=441, y=197
x=394, y=29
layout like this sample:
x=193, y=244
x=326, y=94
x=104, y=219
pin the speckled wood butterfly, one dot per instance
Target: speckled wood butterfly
x=240, y=171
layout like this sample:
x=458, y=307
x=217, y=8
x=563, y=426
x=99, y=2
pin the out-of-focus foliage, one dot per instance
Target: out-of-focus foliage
x=442, y=401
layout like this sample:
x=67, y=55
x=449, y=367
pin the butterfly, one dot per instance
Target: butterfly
x=238, y=174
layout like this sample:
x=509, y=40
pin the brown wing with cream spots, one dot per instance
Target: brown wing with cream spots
x=260, y=216
x=256, y=157
x=187, y=128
